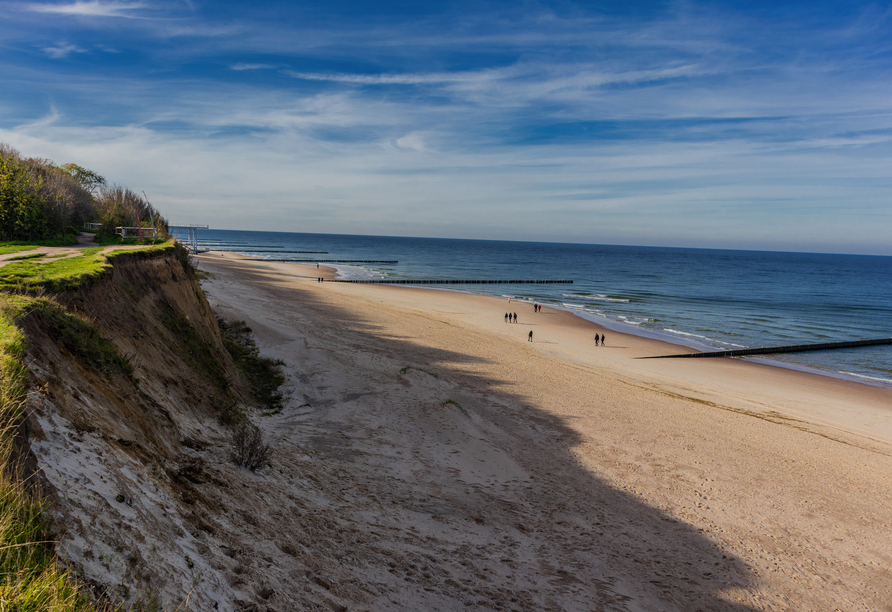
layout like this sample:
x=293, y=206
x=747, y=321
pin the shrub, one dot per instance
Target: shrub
x=247, y=447
x=263, y=373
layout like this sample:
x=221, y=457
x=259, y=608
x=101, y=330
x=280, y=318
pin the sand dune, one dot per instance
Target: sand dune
x=470, y=467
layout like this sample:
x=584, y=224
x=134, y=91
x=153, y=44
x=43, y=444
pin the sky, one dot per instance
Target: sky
x=743, y=125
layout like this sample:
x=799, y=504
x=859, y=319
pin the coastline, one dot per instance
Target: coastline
x=772, y=476
x=693, y=344
x=816, y=394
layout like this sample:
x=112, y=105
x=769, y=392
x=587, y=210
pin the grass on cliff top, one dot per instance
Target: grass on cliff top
x=30, y=576
x=16, y=246
x=64, y=274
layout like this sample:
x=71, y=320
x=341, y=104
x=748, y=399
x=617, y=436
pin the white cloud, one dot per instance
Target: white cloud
x=246, y=66
x=90, y=9
x=62, y=50
x=385, y=79
x=412, y=141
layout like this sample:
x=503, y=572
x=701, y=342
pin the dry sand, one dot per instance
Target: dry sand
x=455, y=465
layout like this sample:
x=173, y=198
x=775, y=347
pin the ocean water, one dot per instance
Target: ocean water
x=703, y=298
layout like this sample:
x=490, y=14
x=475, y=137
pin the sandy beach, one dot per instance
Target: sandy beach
x=443, y=462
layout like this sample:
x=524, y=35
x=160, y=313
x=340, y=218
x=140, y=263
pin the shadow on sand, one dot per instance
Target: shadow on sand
x=588, y=545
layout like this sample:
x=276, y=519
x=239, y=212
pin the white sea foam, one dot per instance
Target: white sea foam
x=358, y=273
x=575, y=306
x=598, y=297
x=866, y=377
x=681, y=333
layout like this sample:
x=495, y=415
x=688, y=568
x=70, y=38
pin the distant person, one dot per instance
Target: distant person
x=515, y=317
x=531, y=336
x=597, y=339
x=603, y=340
x=506, y=317
x=540, y=307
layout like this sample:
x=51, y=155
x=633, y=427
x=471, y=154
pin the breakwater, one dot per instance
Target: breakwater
x=318, y=261
x=241, y=249
x=454, y=282
x=795, y=348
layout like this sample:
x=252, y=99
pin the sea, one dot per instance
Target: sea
x=707, y=299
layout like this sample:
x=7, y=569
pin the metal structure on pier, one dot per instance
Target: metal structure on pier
x=187, y=234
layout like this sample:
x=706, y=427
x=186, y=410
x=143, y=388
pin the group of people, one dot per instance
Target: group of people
x=319, y=279
x=537, y=307
x=602, y=339
x=509, y=316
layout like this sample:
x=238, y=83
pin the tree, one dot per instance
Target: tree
x=23, y=213
x=89, y=179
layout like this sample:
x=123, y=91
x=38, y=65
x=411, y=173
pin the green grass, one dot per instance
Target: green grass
x=80, y=337
x=112, y=240
x=9, y=247
x=16, y=246
x=28, y=256
x=65, y=274
x=30, y=576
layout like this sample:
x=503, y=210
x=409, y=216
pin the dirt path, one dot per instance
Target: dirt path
x=84, y=241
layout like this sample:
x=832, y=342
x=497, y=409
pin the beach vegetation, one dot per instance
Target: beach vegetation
x=80, y=337
x=428, y=372
x=264, y=374
x=191, y=345
x=247, y=447
x=31, y=578
x=452, y=402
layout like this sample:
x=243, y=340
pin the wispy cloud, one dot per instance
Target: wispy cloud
x=246, y=66
x=386, y=79
x=646, y=127
x=95, y=8
x=62, y=50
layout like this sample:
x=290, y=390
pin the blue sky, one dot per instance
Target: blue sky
x=727, y=125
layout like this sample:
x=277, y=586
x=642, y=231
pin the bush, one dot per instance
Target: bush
x=263, y=373
x=247, y=447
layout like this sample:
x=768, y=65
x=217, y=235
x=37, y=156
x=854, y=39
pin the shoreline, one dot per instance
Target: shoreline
x=816, y=385
x=561, y=473
x=665, y=337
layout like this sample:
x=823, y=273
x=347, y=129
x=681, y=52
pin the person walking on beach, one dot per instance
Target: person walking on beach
x=531, y=336
x=603, y=340
x=506, y=317
x=515, y=317
x=597, y=337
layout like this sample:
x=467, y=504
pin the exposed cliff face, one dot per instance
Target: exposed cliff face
x=120, y=447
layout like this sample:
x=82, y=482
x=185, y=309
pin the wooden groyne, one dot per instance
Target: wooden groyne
x=454, y=282
x=796, y=348
x=215, y=246
x=318, y=261
x=239, y=249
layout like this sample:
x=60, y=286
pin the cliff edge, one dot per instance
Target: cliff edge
x=131, y=390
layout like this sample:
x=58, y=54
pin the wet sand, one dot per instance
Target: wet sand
x=555, y=474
